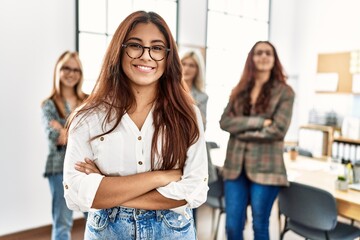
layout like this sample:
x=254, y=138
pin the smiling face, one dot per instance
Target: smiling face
x=144, y=71
x=70, y=73
x=263, y=57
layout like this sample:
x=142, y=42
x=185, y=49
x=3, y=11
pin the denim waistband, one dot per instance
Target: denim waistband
x=133, y=213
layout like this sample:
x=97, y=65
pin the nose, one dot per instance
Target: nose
x=146, y=53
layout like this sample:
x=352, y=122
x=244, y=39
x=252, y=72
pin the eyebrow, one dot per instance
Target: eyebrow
x=140, y=40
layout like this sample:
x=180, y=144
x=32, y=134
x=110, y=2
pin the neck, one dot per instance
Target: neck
x=68, y=93
x=261, y=78
x=144, y=98
x=189, y=83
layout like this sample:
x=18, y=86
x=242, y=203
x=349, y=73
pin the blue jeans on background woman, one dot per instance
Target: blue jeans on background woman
x=62, y=216
x=241, y=192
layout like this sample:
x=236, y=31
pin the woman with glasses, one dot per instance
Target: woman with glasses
x=66, y=95
x=257, y=117
x=194, y=76
x=136, y=156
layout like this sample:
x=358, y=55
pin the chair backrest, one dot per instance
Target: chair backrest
x=216, y=189
x=309, y=206
x=305, y=152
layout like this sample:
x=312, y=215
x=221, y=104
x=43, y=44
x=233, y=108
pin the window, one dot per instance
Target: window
x=233, y=28
x=97, y=21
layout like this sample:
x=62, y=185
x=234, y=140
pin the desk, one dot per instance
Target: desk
x=318, y=173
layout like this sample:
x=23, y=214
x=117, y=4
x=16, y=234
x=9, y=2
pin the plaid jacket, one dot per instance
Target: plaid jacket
x=256, y=148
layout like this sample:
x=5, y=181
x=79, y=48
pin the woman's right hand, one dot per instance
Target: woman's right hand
x=87, y=167
x=56, y=125
x=267, y=122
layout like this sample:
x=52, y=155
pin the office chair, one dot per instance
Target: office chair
x=216, y=200
x=304, y=152
x=311, y=212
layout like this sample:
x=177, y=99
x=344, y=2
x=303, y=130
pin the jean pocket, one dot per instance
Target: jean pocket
x=98, y=220
x=176, y=221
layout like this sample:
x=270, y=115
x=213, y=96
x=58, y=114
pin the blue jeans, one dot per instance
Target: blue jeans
x=130, y=224
x=61, y=215
x=241, y=192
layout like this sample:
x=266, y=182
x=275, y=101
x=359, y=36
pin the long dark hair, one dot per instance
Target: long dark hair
x=247, y=82
x=174, y=116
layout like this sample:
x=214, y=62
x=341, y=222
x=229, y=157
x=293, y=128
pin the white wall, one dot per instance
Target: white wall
x=321, y=26
x=192, y=23
x=33, y=34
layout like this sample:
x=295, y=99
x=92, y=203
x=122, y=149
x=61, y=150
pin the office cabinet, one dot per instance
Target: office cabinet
x=317, y=139
x=348, y=150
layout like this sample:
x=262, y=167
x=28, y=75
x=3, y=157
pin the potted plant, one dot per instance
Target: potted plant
x=341, y=183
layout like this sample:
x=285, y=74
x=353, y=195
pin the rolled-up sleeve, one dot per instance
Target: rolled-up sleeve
x=281, y=121
x=193, y=185
x=79, y=189
x=239, y=124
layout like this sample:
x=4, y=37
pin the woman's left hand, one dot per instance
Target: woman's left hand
x=87, y=167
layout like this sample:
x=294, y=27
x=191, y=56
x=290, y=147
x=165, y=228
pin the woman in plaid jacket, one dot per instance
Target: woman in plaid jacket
x=257, y=117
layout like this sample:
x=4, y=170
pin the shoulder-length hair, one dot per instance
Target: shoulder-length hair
x=199, y=80
x=247, y=80
x=56, y=94
x=174, y=116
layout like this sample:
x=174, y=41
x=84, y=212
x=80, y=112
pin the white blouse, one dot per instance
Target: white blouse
x=126, y=151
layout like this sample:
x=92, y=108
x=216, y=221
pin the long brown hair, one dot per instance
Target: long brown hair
x=174, y=116
x=247, y=81
x=56, y=94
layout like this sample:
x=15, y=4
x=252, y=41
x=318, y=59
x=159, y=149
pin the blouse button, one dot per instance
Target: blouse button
x=140, y=162
x=66, y=187
x=205, y=179
x=139, y=138
x=101, y=138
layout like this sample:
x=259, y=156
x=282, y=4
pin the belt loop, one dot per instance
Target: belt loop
x=158, y=215
x=113, y=213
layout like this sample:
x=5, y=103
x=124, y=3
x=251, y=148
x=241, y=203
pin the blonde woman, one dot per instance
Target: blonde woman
x=66, y=95
x=194, y=76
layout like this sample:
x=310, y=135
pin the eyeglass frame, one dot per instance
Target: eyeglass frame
x=260, y=52
x=124, y=45
x=68, y=70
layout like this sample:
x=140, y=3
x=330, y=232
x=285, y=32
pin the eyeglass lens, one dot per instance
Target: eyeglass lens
x=68, y=70
x=190, y=65
x=135, y=50
x=260, y=52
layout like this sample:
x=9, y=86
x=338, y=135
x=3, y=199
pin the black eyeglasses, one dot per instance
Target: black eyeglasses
x=260, y=52
x=135, y=50
x=68, y=70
